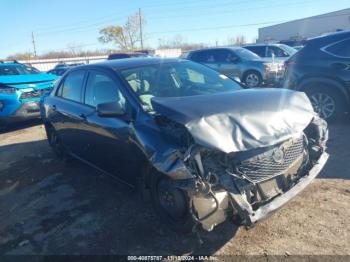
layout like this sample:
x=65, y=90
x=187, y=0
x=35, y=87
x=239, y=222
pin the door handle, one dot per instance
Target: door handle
x=54, y=108
x=82, y=117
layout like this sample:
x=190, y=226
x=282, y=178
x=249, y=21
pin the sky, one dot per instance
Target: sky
x=59, y=25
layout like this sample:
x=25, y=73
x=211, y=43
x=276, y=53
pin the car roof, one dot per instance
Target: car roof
x=126, y=63
x=216, y=48
x=11, y=64
x=329, y=38
x=261, y=44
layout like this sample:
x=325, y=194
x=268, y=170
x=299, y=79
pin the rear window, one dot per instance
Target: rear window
x=340, y=49
x=246, y=54
x=259, y=50
x=8, y=70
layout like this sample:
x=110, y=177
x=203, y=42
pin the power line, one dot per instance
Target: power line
x=217, y=27
x=230, y=11
x=107, y=19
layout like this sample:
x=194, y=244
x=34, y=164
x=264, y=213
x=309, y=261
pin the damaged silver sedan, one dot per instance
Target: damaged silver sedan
x=207, y=149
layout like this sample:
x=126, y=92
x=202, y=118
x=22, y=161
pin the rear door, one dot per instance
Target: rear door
x=65, y=107
x=339, y=62
x=206, y=57
x=228, y=63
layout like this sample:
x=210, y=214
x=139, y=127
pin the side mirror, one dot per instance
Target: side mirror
x=110, y=109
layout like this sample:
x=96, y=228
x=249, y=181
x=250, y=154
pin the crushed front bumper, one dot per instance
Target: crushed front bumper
x=252, y=217
x=248, y=216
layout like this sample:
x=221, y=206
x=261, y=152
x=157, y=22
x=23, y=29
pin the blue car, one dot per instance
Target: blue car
x=20, y=91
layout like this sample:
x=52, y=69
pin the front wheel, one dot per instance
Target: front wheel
x=171, y=204
x=327, y=103
x=252, y=79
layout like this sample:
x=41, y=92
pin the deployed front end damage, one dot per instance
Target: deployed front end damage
x=249, y=178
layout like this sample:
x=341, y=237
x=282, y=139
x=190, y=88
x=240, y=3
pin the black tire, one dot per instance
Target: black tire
x=256, y=75
x=3, y=126
x=330, y=94
x=178, y=219
x=55, y=142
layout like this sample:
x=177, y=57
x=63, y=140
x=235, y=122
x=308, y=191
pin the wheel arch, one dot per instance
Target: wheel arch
x=310, y=82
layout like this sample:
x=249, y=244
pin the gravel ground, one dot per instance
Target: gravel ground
x=47, y=207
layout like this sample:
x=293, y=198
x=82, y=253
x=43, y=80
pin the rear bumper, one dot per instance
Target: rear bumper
x=252, y=217
x=273, y=77
x=29, y=110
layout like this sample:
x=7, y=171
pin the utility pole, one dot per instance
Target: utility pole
x=141, y=35
x=33, y=41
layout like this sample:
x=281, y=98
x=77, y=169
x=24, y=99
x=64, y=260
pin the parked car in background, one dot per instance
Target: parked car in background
x=233, y=62
x=62, y=68
x=20, y=91
x=126, y=55
x=274, y=56
x=58, y=71
x=298, y=47
x=322, y=70
x=206, y=149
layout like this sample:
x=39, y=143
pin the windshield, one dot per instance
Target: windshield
x=176, y=79
x=290, y=50
x=7, y=70
x=246, y=54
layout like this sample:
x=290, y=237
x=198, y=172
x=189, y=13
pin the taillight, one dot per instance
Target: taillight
x=287, y=64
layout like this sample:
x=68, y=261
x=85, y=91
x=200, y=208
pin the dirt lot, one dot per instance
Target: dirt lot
x=47, y=207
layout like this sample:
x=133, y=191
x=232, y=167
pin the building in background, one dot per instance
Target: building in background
x=295, y=32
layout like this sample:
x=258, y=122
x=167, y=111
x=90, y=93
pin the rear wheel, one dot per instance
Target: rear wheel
x=171, y=204
x=252, y=79
x=55, y=142
x=327, y=102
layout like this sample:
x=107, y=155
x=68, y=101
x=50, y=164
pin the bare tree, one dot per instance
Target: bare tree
x=238, y=40
x=125, y=36
x=21, y=56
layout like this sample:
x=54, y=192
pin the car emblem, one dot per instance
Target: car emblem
x=278, y=156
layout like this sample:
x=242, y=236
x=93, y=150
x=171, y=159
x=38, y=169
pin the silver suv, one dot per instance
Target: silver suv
x=232, y=62
x=274, y=56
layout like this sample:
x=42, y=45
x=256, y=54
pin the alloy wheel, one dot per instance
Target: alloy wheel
x=323, y=104
x=252, y=80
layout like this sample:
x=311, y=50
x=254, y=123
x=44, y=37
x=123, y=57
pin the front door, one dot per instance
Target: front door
x=108, y=145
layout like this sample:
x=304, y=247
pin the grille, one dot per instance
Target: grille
x=34, y=93
x=272, y=163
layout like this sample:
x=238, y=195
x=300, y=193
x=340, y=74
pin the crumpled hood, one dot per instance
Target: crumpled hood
x=19, y=81
x=239, y=120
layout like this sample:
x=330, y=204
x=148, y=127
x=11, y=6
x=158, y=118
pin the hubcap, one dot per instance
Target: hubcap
x=172, y=200
x=252, y=80
x=323, y=104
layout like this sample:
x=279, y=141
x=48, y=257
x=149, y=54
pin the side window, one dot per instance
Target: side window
x=72, y=86
x=259, y=50
x=340, y=49
x=101, y=89
x=278, y=52
x=200, y=56
x=225, y=56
